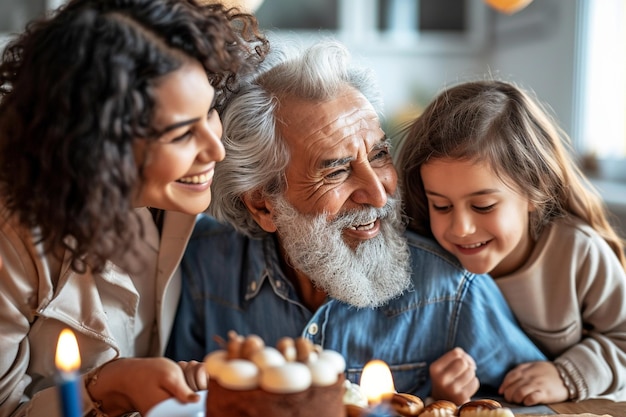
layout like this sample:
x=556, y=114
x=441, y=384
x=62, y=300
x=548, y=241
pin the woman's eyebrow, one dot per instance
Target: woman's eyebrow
x=179, y=124
x=187, y=122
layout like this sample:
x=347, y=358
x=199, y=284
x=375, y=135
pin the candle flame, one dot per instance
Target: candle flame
x=67, y=357
x=376, y=381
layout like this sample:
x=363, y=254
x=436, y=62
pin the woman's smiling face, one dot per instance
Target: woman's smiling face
x=476, y=216
x=177, y=169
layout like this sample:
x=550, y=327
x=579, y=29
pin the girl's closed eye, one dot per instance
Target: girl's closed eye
x=441, y=207
x=484, y=209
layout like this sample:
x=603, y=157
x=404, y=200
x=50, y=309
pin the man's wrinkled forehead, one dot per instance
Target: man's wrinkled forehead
x=348, y=113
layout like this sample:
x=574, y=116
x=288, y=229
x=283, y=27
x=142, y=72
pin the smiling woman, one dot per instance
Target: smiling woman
x=177, y=169
x=133, y=89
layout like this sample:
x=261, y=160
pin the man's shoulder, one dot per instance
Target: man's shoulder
x=428, y=252
x=209, y=234
x=208, y=226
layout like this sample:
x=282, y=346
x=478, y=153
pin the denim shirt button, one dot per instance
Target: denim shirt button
x=313, y=329
x=253, y=286
x=279, y=283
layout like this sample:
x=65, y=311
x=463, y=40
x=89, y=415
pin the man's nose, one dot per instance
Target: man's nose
x=372, y=187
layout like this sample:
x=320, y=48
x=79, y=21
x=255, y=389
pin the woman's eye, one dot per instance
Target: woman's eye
x=484, y=209
x=181, y=138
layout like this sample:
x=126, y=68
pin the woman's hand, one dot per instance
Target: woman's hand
x=195, y=375
x=534, y=383
x=138, y=384
x=454, y=377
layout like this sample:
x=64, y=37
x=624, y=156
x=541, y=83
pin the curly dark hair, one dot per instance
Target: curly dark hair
x=76, y=90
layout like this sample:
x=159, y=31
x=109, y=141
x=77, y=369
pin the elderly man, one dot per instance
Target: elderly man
x=316, y=247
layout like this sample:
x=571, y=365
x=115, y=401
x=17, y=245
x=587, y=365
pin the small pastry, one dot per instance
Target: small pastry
x=406, y=405
x=484, y=408
x=439, y=408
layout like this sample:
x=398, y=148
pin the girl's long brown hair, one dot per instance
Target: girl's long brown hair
x=503, y=125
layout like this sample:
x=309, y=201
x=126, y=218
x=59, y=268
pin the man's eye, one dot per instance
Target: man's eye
x=383, y=153
x=337, y=173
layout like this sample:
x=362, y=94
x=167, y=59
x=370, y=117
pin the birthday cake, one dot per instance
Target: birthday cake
x=295, y=379
x=299, y=379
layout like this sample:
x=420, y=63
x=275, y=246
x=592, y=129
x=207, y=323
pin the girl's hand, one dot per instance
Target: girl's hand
x=195, y=375
x=534, y=383
x=138, y=384
x=454, y=377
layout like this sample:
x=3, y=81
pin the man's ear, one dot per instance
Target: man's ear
x=260, y=209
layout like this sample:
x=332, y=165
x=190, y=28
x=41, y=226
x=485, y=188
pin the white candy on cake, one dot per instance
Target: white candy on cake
x=296, y=378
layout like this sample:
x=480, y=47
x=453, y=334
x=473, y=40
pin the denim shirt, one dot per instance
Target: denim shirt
x=232, y=282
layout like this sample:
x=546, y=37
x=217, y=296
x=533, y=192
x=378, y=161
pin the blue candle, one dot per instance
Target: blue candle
x=67, y=361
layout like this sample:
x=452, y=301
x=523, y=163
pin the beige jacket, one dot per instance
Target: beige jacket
x=570, y=298
x=40, y=296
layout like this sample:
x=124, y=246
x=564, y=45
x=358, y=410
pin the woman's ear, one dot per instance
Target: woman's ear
x=261, y=210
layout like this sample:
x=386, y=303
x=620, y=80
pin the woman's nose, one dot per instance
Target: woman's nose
x=211, y=139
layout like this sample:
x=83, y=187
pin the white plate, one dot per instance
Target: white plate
x=173, y=408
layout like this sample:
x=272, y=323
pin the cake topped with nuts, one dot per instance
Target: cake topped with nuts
x=295, y=378
x=299, y=379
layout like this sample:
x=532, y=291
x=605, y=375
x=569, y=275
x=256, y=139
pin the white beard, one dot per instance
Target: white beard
x=368, y=276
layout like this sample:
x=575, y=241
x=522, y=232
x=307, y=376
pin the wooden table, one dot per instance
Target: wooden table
x=599, y=407
x=615, y=409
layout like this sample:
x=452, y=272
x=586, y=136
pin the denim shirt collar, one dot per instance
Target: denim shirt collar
x=265, y=269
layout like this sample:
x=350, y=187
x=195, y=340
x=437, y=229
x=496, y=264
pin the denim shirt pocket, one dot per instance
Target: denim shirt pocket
x=411, y=378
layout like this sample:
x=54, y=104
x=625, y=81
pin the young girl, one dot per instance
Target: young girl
x=109, y=136
x=487, y=173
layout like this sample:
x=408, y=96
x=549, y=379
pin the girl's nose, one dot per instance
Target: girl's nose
x=462, y=224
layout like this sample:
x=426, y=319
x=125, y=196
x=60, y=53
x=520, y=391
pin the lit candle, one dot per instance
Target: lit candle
x=383, y=400
x=67, y=361
x=376, y=381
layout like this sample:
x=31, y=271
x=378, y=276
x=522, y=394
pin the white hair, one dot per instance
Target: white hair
x=256, y=154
